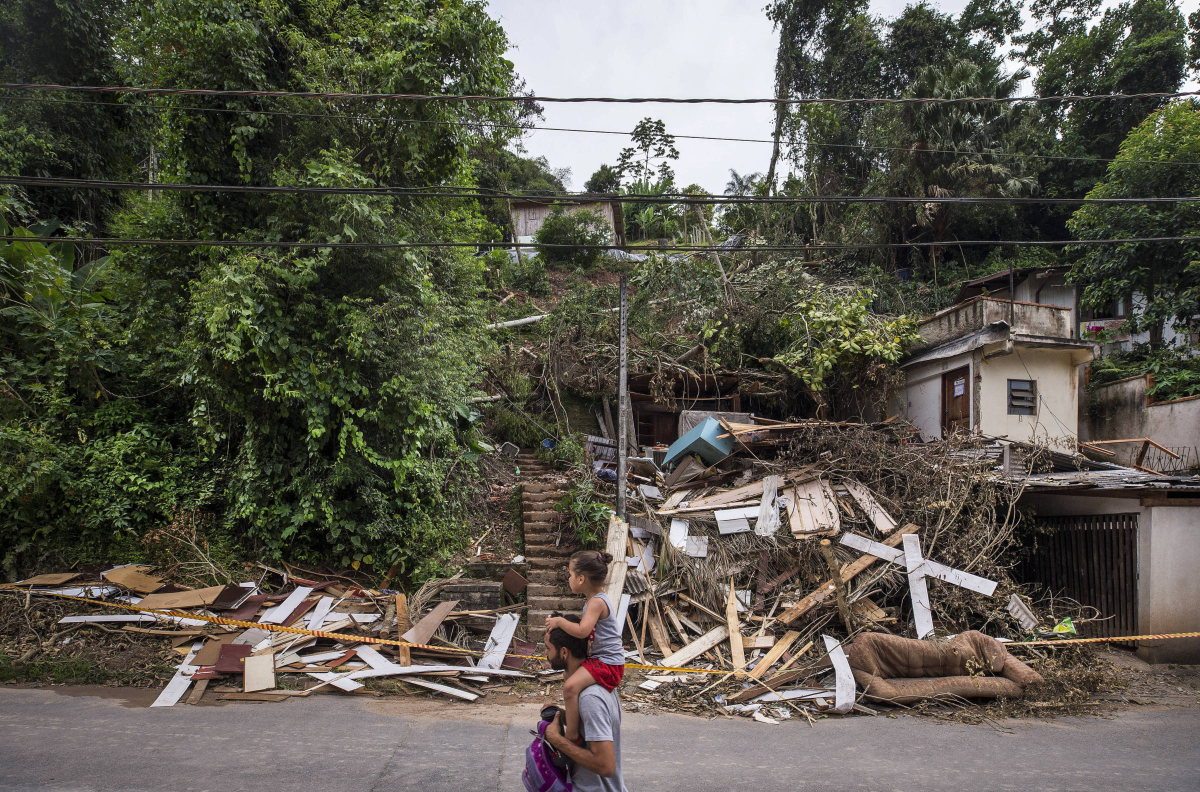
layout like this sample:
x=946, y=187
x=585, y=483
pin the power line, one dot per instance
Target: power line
x=483, y=125
x=570, y=198
x=144, y=91
x=248, y=243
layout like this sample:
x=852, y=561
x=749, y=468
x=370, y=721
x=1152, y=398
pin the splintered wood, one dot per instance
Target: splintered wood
x=814, y=509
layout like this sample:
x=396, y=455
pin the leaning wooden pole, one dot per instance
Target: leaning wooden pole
x=623, y=404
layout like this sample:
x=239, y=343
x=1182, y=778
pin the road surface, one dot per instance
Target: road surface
x=52, y=741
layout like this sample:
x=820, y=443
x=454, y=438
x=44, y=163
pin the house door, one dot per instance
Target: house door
x=956, y=401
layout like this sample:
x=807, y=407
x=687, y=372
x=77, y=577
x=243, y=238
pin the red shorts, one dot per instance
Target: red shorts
x=609, y=676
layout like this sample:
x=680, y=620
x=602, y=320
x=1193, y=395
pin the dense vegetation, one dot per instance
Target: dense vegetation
x=315, y=399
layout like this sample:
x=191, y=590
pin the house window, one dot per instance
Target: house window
x=1112, y=310
x=1022, y=397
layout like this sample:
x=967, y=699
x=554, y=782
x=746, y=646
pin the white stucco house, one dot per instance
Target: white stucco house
x=996, y=367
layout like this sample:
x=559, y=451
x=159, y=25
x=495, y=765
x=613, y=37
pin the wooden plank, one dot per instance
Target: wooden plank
x=689, y=509
x=499, y=640
x=758, y=641
x=865, y=607
x=284, y=609
x=918, y=589
x=746, y=492
x=197, y=598
x=119, y=617
x=658, y=632
x=882, y=521
x=849, y=572
x=844, y=696
x=50, y=580
x=131, y=576
x=618, y=533
x=341, y=681
x=198, y=692
x=403, y=625
x=319, y=612
x=769, y=659
x=178, y=684
x=816, y=508
x=449, y=691
x=259, y=673
x=423, y=631
x=697, y=647
x=736, y=652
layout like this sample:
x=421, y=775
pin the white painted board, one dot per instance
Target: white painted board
x=844, y=687
x=317, y=616
x=679, y=533
x=499, y=640
x=178, y=684
x=284, y=609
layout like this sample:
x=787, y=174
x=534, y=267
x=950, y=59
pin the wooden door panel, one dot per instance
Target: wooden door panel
x=956, y=401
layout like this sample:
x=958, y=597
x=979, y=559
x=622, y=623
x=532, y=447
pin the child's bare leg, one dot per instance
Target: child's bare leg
x=572, y=687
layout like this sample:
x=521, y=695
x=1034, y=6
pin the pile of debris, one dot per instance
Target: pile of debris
x=307, y=635
x=785, y=562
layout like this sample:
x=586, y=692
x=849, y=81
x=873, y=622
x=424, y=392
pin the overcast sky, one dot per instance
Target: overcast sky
x=676, y=48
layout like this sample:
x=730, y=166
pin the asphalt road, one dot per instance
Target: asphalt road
x=51, y=741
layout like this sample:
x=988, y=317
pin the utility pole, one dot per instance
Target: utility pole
x=623, y=405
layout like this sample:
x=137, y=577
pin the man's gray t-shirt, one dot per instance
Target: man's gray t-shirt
x=600, y=717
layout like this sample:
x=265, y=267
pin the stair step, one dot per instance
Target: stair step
x=537, y=620
x=541, y=497
x=547, y=590
x=533, y=552
x=545, y=577
x=538, y=487
x=540, y=516
x=552, y=564
x=564, y=604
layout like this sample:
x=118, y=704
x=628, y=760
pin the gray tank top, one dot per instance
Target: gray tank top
x=606, y=643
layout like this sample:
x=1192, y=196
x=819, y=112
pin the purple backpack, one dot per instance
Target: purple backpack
x=541, y=774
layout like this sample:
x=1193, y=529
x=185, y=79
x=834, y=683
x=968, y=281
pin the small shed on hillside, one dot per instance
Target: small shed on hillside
x=528, y=216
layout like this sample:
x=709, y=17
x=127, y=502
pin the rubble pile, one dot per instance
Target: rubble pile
x=776, y=553
x=462, y=639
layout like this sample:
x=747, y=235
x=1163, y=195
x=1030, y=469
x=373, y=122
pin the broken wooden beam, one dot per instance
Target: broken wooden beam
x=848, y=573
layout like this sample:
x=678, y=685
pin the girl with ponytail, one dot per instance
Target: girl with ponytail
x=605, y=664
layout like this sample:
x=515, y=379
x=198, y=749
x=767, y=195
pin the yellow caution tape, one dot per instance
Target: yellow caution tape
x=347, y=638
x=1122, y=639
x=341, y=637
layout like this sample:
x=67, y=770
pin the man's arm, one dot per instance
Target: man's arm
x=599, y=757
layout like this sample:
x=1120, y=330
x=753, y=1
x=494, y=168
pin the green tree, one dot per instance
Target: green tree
x=1161, y=280
x=66, y=42
x=651, y=143
x=586, y=228
x=606, y=179
x=314, y=398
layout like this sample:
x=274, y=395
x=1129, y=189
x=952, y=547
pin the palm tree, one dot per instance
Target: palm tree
x=959, y=149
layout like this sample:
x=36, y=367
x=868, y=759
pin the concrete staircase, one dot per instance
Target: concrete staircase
x=548, y=590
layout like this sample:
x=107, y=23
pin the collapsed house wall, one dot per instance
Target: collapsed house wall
x=1168, y=555
x=1120, y=411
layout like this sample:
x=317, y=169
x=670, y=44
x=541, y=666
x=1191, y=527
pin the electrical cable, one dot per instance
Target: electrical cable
x=569, y=198
x=491, y=125
x=233, y=243
x=914, y=100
